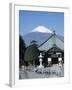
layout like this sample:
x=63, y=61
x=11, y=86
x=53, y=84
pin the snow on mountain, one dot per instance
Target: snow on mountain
x=42, y=29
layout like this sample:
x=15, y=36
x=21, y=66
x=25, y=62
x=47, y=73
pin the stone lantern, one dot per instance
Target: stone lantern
x=40, y=60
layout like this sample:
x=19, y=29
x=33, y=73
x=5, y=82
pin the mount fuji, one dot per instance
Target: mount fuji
x=42, y=29
x=39, y=34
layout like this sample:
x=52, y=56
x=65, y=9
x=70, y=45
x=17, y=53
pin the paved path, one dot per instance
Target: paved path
x=28, y=74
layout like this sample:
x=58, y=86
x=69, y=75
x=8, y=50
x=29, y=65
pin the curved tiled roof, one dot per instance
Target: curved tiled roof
x=60, y=40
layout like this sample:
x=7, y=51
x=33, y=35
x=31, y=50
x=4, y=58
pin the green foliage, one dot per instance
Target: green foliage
x=22, y=49
x=31, y=53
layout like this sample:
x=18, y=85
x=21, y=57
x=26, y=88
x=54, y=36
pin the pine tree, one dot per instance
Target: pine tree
x=22, y=49
x=31, y=53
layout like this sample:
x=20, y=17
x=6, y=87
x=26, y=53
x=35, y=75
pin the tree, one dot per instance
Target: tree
x=22, y=49
x=31, y=54
x=33, y=42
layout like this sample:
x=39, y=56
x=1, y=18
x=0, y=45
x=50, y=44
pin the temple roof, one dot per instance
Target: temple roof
x=49, y=43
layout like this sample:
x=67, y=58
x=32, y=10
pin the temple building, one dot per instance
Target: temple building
x=52, y=48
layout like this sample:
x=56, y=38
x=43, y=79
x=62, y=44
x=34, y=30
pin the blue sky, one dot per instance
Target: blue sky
x=28, y=20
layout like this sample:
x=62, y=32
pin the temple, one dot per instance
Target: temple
x=52, y=48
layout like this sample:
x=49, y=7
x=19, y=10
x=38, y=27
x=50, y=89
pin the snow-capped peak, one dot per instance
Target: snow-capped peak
x=42, y=29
